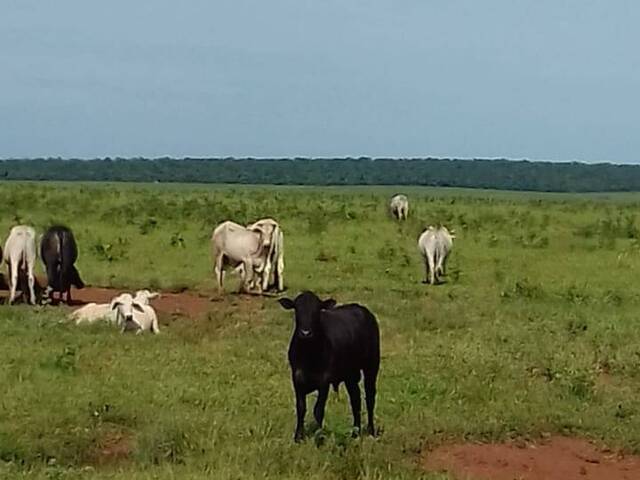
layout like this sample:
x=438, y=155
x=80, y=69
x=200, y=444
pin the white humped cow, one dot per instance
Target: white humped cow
x=399, y=206
x=20, y=256
x=434, y=244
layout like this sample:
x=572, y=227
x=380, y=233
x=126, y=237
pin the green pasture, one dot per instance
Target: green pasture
x=534, y=332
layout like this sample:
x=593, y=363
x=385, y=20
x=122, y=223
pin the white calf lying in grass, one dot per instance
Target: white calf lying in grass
x=132, y=314
x=119, y=309
x=143, y=296
x=92, y=312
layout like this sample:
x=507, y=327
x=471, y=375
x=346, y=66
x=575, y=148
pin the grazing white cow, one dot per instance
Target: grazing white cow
x=132, y=315
x=20, y=257
x=93, y=312
x=399, y=206
x=246, y=250
x=435, y=243
x=274, y=243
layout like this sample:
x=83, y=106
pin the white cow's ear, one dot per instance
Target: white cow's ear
x=115, y=305
x=138, y=307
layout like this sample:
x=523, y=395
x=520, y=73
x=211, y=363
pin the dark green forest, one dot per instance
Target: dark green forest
x=494, y=174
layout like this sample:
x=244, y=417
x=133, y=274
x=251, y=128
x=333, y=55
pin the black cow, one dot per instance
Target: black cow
x=59, y=252
x=331, y=345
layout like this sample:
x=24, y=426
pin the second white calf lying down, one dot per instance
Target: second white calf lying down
x=134, y=315
x=143, y=296
x=92, y=312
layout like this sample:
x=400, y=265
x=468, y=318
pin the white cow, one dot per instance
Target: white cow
x=435, y=243
x=399, y=206
x=274, y=242
x=144, y=296
x=132, y=315
x=244, y=249
x=20, y=257
x=92, y=312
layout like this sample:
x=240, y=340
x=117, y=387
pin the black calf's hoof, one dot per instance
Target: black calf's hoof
x=355, y=432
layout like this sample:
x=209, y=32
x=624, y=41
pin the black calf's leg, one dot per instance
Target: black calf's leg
x=301, y=410
x=318, y=410
x=354, y=396
x=370, y=395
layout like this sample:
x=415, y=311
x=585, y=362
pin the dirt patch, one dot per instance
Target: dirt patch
x=185, y=304
x=559, y=458
x=112, y=448
x=169, y=305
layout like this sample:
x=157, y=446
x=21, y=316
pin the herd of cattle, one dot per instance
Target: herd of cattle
x=330, y=344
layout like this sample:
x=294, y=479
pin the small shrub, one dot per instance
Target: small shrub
x=523, y=288
x=148, y=225
x=324, y=256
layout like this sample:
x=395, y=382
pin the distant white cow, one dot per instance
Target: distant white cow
x=435, y=243
x=20, y=257
x=399, y=206
x=237, y=246
x=93, y=312
x=274, y=243
x=132, y=315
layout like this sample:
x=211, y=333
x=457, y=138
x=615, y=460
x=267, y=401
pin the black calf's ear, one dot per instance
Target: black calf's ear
x=328, y=303
x=286, y=303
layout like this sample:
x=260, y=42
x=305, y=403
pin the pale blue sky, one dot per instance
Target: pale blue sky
x=539, y=79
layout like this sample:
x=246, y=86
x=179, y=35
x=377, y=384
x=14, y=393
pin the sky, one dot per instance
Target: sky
x=537, y=79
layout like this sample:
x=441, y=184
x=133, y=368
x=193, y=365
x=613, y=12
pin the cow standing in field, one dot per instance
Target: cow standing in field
x=59, y=252
x=20, y=257
x=330, y=345
x=399, y=206
x=435, y=244
x=244, y=249
x=274, y=243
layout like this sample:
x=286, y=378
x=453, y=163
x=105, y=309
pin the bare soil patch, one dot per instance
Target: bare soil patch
x=559, y=458
x=183, y=304
x=112, y=448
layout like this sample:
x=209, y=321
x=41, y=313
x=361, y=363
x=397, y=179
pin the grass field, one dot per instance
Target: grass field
x=534, y=332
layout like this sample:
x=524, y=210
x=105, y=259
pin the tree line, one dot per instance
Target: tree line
x=479, y=173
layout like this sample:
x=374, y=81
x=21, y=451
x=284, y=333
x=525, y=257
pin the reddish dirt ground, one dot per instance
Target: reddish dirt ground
x=186, y=304
x=559, y=458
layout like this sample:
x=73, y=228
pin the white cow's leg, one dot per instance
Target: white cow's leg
x=219, y=271
x=266, y=274
x=432, y=270
x=246, y=275
x=426, y=269
x=13, y=278
x=154, y=326
x=280, y=274
x=32, y=282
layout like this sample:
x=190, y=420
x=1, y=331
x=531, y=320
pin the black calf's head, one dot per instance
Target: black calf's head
x=307, y=308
